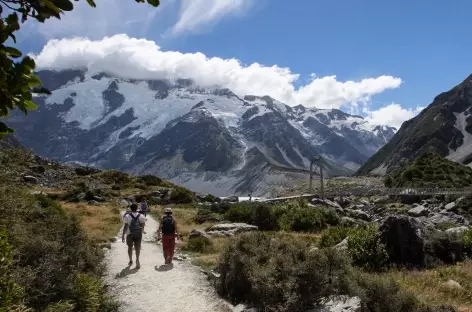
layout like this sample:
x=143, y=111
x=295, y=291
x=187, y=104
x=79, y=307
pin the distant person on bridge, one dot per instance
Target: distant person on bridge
x=133, y=229
x=168, y=228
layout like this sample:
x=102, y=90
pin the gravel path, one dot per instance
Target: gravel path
x=156, y=287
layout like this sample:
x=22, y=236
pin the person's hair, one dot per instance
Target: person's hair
x=134, y=207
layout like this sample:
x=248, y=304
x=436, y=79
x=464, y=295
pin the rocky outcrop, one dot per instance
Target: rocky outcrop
x=404, y=241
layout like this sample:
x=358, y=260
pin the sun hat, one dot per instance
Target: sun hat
x=168, y=210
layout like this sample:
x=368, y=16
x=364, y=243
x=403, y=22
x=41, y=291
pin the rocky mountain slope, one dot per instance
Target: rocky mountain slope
x=207, y=139
x=445, y=127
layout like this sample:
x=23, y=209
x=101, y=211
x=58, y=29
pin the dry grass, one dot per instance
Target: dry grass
x=429, y=286
x=101, y=222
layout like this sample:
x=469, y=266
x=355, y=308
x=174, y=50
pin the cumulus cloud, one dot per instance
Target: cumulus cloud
x=195, y=14
x=393, y=115
x=142, y=59
x=108, y=18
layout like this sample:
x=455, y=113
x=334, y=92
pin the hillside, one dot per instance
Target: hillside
x=431, y=170
x=209, y=139
x=444, y=127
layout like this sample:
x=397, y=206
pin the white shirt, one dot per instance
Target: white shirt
x=127, y=219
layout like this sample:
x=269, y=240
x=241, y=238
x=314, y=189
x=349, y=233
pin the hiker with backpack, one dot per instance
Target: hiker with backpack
x=168, y=228
x=144, y=208
x=133, y=229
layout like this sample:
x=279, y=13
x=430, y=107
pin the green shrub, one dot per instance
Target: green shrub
x=115, y=177
x=199, y=244
x=366, y=249
x=61, y=306
x=240, y=213
x=264, y=217
x=181, y=195
x=279, y=274
x=10, y=292
x=203, y=215
x=50, y=249
x=220, y=207
x=307, y=219
x=333, y=236
x=381, y=294
x=209, y=198
x=150, y=180
x=468, y=238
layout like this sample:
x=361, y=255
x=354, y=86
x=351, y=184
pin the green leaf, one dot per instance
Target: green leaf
x=34, y=81
x=64, y=5
x=51, y=6
x=28, y=62
x=4, y=129
x=91, y=3
x=154, y=3
x=30, y=105
x=13, y=52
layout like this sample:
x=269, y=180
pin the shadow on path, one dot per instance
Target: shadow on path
x=125, y=272
x=164, y=267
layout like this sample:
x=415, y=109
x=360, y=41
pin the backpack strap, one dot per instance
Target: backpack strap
x=137, y=216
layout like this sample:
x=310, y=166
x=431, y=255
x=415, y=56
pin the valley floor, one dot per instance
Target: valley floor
x=156, y=287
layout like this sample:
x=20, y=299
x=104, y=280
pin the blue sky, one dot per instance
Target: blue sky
x=424, y=43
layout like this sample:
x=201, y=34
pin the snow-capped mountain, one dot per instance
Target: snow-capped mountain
x=208, y=139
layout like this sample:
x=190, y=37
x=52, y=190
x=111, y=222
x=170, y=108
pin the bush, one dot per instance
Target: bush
x=279, y=274
x=240, y=213
x=446, y=248
x=199, y=244
x=50, y=249
x=381, y=294
x=10, y=292
x=333, y=236
x=115, y=177
x=181, y=195
x=220, y=207
x=307, y=219
x=150, y=180
x=264, y=218
x=203, y=215
x=468, y=238
x=366, y=249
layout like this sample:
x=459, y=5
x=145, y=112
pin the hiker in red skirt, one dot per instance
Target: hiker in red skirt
x=168, y=228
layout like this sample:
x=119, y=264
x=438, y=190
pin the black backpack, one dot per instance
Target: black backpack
x=135, y=226
x=168, y=225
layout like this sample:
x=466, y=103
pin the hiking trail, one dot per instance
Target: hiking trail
x=155, y=286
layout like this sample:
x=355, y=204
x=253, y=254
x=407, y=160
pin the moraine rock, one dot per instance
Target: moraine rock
x=198, y=233
x=325, y=202
x=358, y=214
x=418, y=211
x=403, y=238
x=450, y=206
x=338, y=304
x=30, y=179
x=230, y=229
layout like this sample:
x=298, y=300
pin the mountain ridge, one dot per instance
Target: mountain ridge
x=173, y=128
x=444, y=127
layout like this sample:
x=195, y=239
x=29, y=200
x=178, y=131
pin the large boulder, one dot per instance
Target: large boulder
x=404, y=240
x=229, y=229
x=418, y=211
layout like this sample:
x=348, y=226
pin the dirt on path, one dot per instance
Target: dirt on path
x=155, y=286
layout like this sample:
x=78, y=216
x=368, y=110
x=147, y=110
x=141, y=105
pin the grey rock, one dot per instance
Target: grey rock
x=38, y=193
x=348, y=222
x=239, y=227
x=418, y=211
x=453, y=284
x=404, y=241
x=93, y=203
x=98, y=198
x=198, y=233
x=365, y=202
x=30, y=179
x=458, y=230
x=338, y=304
x=342, y=245
x=358, y=214
x=450, y=206
x=325, y=202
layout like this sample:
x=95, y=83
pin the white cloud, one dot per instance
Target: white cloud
x=393, y=115
x=108, y=18
x=143, y=59
x=195, y=14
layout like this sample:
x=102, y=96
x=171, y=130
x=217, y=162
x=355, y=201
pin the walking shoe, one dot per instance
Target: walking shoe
x=138, y=265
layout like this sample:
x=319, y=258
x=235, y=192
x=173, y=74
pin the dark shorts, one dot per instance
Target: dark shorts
x=134, y=239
